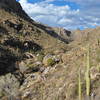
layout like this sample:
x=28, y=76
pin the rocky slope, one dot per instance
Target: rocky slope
x=13, y=7
x=38, y=62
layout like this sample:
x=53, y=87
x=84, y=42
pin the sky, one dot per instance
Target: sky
x=69, y=14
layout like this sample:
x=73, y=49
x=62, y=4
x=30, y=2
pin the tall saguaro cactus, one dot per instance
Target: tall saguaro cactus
x=87, y=74
x=79, y=85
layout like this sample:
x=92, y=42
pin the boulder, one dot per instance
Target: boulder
x=9, y=85
x=29, y=66
x=22, y=67
x=50, y=60
x=28, y=55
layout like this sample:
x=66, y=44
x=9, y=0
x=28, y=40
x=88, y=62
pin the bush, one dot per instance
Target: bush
x=40, y=57
x=50, y=62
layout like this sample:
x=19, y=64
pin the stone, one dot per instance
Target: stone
x=50, y=60
x=94, y=73
x=22, y=67
x=9, y=85
x=29, y=66
x=46, y=58
x=28, y=55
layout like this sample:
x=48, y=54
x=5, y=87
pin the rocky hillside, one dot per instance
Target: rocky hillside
x=13, y=7
x=38, y=62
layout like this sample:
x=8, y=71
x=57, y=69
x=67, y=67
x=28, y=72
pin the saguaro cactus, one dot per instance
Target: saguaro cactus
x=87, y=74
x=79, y=85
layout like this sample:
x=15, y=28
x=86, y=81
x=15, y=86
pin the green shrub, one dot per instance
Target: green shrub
x=2, y=94
x=50, y=62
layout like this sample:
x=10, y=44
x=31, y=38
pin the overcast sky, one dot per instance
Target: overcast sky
x=70, y=14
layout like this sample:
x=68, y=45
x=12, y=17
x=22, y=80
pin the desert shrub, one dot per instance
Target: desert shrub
x=2, y=94
x=40, y=57
x=32, y=67
x=50, y=62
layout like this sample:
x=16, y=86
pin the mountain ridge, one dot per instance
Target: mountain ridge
x=14, y=7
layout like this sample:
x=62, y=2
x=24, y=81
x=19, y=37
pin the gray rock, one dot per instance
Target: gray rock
x=9, y=85
x=22, y=67
x=45, y=59
x=29, y=55
x=53, y=59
